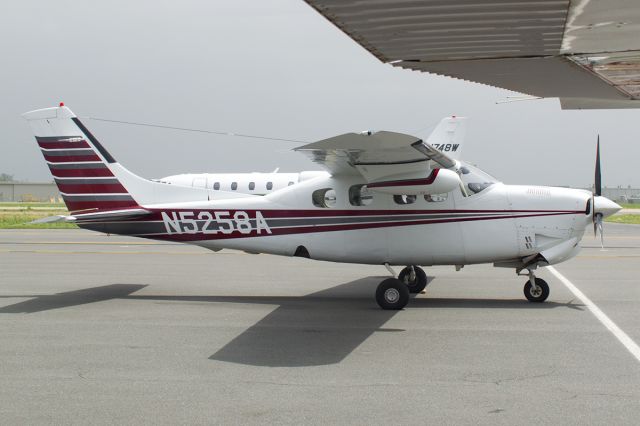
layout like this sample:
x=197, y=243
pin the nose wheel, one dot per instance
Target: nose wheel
x=536, y=290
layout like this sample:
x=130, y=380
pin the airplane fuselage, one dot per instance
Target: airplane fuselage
x=500, y=223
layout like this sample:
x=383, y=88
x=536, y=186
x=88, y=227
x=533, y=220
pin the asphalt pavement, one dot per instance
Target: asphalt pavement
x=102, y=329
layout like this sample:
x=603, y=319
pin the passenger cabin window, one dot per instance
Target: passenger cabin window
x=234, y=186
x=359, y=195
x=269, y=186
x=325, y=198
x=435, y=198
x=252, y=186
x=216, y=186
x=404, y=199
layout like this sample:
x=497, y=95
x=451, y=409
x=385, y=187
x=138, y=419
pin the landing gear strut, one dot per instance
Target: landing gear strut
x=414, y=278
x=393, y=294
x=536, y=289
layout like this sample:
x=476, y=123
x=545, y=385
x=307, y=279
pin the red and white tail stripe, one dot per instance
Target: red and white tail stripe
x=78, y=163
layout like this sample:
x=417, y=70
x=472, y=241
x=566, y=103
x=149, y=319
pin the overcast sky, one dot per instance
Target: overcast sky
x=273, y=68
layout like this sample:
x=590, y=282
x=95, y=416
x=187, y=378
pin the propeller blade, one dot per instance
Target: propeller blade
x=601, y=236
x=598, y=177
x=593, y=214
x=598, y=226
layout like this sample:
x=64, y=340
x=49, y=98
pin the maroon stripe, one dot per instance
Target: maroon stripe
x=104, y=172
x=329, y=228
x=407, y=182
x=75, y=206
x=278, y=214
x=64, y=145
x=91, y=188
x=71, y=158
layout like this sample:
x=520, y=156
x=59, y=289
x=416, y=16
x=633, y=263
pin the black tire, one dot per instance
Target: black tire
x=417, y=285
x=538, y=296
x=392, y=294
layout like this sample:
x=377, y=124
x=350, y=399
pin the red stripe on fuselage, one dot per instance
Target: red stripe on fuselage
x=282, y=214
x=331, y=228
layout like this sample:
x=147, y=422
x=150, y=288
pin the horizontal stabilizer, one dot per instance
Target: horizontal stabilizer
x=51, y=219
x=111, y=215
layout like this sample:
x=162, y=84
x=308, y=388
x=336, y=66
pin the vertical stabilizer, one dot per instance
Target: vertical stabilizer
x=78, y=162
x=448, y=136
x=89, y=178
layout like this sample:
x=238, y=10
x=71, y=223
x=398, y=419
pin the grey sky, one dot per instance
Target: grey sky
x=266, y=67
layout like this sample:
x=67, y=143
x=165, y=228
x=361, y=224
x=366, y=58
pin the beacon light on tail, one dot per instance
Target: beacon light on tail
x=386, y=198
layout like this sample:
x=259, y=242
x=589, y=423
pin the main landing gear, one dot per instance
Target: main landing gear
x=536, y=289
x=393, y=293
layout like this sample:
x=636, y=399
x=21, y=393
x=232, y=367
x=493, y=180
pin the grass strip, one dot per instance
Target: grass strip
x=633, y=219
x=21, y=219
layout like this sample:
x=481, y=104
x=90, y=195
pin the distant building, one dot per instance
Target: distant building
x=622, y=195
x=29, y=192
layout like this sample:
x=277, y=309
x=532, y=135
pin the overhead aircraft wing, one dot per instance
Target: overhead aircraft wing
x=374, y=154
x=585, y=52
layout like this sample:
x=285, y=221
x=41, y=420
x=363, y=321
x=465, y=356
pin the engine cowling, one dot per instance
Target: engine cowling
x=439, y=181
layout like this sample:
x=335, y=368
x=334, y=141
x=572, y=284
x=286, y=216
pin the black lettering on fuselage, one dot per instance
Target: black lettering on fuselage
x=449, y=147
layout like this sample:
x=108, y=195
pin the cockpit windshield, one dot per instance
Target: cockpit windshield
x=474, y=179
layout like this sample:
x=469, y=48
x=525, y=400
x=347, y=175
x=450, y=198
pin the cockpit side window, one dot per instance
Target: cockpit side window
x=475, y=180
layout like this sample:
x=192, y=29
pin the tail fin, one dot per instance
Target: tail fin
x=78, y=162
x=448, y=136
x=88, y=177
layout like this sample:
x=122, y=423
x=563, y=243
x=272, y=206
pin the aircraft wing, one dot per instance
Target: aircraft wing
x=374, y=154
x=585, y=52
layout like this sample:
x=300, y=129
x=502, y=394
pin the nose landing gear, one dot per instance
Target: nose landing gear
x=536, y=289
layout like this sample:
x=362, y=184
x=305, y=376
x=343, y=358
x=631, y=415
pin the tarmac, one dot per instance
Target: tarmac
x=99, y=329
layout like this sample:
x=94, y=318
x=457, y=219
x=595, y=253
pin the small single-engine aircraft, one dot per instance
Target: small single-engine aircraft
x=388, y=199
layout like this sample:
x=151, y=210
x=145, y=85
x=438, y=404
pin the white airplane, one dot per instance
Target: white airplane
x=255, y=183
x=387, y=199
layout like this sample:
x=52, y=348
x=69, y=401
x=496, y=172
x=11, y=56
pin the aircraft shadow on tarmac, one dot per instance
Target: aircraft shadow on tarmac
x=317, y=329
x=47, y=302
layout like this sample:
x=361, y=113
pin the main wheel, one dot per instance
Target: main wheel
x=392, y=294
x=537, y=294
x=420, y=281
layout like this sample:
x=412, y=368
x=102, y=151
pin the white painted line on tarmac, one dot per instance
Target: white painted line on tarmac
x=602, y=317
